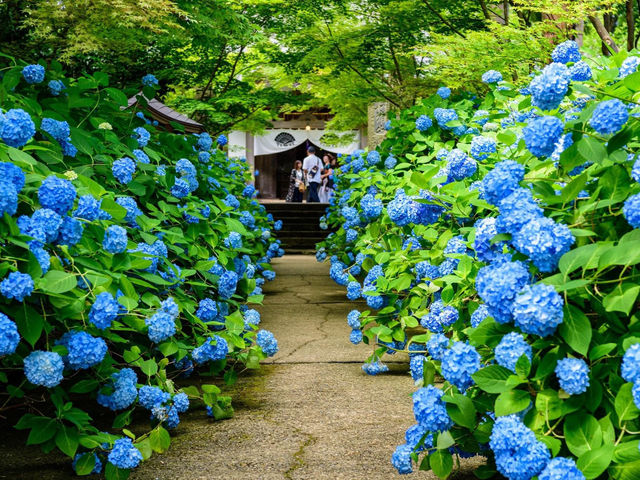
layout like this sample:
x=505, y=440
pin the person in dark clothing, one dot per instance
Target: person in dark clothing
x=297, y=183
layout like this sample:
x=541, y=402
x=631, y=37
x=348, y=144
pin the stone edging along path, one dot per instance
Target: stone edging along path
x=310, y=413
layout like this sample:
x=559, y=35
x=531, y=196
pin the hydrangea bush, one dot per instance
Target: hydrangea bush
x=497, y=247
x=130, y=256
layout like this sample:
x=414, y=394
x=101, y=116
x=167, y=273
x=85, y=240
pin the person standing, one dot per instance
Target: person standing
x=296, y=183
x=312, y=167
x=326, y=184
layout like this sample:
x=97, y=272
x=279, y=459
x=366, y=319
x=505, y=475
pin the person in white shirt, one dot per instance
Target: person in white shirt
x=312, y=167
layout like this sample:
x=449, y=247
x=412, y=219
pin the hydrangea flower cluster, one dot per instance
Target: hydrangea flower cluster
x=510, y=349
x=104, y=311
x=122, y=390
x=33, y=74
x=84, y=350
x=609, y=117
x=17, y=286
x=123, y=169
x=267, y=342
x=9, y=336
x=44, y=368
x=124, y=454
x=491, y=77
x=573, y=375
x=423, y=123
x=458, y=364
x=16, y=127
x=549, y=89
x=115, y=239
x=518, y=453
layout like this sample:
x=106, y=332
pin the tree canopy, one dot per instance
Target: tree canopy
x=238, y=64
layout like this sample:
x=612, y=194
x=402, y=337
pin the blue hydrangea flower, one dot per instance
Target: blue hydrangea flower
x=549, y=88
x=141, y=156
x=423, y=123
x=104, y=310
x=33, y=74
x=418, y=433
x=8, y=198
x=459, y=363
x=210, y=352
x=56, y=87
x=498, y=285
x=355, y=336
x=57, y=194
x=222, y=140
x=479, y=315
x=437, y=345
x=251, y=319
x=9, y=336
x=609, y=117
x=631, y=210
x=84, y=350
x=502, y=181
x=516, y=210
x=635, y=392
x=354, y=290
x=149, y=80
x=567, y=51
x=387, y=125
x=267, y=342
x=124, y=454
x=580, y=72
x=89, y=209
x=353, y=319
x=444, y=116
x=371, y=206
x=123, y=384
x=429, y=409
x=70, y=232
x=204, y=141
x=390, y=162
x=444, y=92
x=59, y=130
x=561, y=468
x=207, y=310
x=233, y=240
x=181, y=402
x=123, y=169
x=150, y=397
x=142, y=136
x=426, y=271
x=401, y=459
x=491, y=76
x=538, y=309
x=459, y=165
x=541, y=135
x=375, y=368
x=510, y=349
x=161, y=326
x=630, y=368
x=573, y=375
x=373, y=158
x=16, y=127
x=115, y=239
x=482, y=147
x=130, y=205
x=416, y=367
x=44, y=368
x=518, y=453
x=629, y=66
x=180, y=188
x=16, y=286
x=543, y=241
x=485, y=231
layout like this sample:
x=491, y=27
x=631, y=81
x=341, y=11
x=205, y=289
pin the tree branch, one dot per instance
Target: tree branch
x=215, y=71
x=233, y=70
x=444, y=20
x=485, y=11
x=355, y=70
x=603, y=34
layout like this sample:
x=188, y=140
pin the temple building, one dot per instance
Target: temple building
x=274, y=152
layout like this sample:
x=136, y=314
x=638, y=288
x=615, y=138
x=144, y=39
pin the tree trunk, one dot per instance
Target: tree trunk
x=631, y=40
x=607, y=42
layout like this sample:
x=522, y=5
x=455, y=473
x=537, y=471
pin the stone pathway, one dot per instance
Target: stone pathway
x=310, y=412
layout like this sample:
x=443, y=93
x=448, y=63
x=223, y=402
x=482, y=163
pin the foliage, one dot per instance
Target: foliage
x=510, y=275
x=139, y=251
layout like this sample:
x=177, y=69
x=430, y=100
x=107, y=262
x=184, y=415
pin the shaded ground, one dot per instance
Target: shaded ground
x=309, y=413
